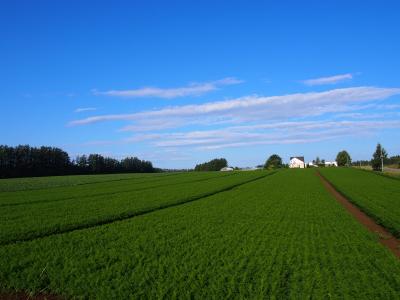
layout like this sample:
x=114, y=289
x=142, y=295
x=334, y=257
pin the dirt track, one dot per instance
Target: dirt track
x=385, y=237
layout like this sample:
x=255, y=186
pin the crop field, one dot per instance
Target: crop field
x=377, y=195
x=18, y=184
x=260, y=234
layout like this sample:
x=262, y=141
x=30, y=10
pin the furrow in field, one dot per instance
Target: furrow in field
x=385, y=237
x=377, y=196
x=116, y=191
x=91, y=221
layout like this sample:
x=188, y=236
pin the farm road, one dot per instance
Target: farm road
x=385, y=237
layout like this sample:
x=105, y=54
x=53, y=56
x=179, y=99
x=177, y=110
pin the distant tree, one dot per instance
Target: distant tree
x=24, y=160
x=213, y=165
x=273, y=162
x=379, y=155
x=394, y=161
x=96, y=163
x=343, y=158
x=317, y=161
x=359, y=163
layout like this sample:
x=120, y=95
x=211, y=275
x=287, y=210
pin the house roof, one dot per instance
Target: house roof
x=298, y=157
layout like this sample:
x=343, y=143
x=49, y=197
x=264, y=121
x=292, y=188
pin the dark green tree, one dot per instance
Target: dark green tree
x=343, y=158
x=273, y=162
x=379, y=155
x=213, y=165
x=24, y=160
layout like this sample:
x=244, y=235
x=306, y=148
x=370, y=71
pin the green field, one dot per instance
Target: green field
x=18, y=184
x=377, y=195
x=193, y=235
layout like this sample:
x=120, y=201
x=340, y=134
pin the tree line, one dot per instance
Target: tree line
x=343, y=159
x=213, y=165
x=26, y=161
x=380, y=157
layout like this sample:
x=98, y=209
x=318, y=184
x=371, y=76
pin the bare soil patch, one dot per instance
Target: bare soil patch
x=385, y=237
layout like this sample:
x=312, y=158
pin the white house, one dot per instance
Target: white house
x=331, y=164
x=226, y=169
x=297, y=162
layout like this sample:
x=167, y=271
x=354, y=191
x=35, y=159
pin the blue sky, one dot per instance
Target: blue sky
x=180, y=82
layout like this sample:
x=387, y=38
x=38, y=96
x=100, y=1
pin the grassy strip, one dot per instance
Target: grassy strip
x=38, y=183
x=378, y=173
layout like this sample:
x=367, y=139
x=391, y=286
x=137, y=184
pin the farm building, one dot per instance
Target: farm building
x=297, y=162
x=331, y=164
x=226, y=169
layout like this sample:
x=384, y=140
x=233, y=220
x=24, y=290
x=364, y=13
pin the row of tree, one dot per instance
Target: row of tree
x=213, y=165
x=23, y=161
x=379, y=158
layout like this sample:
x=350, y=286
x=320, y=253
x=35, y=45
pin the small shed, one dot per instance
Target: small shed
x=226, y=169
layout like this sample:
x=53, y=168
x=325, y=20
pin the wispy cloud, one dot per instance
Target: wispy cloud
x=255, y=108
x=328, y=80
x=193, y=89
x=83, y=109
x=277, y=133
x=265, y=134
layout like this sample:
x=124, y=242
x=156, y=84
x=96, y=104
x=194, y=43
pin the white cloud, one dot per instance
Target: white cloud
x=193, y=89
x=83, y=109
x=255, y=108
x=265, y=134
x=328, y=80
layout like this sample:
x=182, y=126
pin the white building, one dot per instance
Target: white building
x=226, y=169
x=297, y=162
x=331, y=164
x=312, y=165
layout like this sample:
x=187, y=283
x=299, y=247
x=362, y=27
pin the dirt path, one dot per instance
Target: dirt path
x=385, y=237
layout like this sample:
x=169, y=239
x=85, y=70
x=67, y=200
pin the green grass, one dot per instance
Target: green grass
x=279, y=237
x=109, y=187
x=377, y=195
x=64, y=209
x=32, y=183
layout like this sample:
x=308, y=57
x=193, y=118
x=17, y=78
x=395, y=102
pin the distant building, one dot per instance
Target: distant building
x=226, y=169
x=297, y=162
x=331, y=164
x=312, y=165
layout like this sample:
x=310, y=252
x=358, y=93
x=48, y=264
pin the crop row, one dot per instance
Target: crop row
x=279, y=237
x=29, y=221
x=378, y=196
x=100, y=188
x=33, y=183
